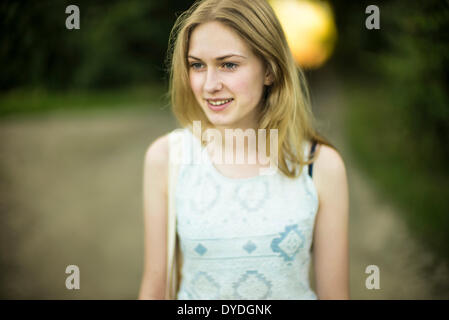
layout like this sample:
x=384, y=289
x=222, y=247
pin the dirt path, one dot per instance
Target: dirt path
x=71, y=194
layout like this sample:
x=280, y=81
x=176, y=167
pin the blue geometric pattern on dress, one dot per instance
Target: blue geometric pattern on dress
x=205, y=287
x=249, y=246
x=252, y=196
x=200, y=249
x=289, y=243
x=237, y=259
x=252, y=286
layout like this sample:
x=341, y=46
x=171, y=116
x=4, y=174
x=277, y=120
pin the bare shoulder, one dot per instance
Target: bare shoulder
x=330, y=239
x=156, y=168
x=157, y=151
x=329, y=161
x=329, y=170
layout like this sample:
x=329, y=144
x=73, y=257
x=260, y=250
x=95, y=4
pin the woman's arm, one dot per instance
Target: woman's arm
x=330, y=239
x=155, y=219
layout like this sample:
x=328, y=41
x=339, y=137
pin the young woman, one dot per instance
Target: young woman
x=244, y=235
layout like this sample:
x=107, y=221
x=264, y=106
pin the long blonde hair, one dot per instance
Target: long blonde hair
x=286, y=102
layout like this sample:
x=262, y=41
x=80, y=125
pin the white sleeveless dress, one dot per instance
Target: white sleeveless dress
x=244, y=238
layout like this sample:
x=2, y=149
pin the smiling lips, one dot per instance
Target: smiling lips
x=218, y=104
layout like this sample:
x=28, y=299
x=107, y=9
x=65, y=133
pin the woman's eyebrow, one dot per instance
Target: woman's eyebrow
x=222, y=57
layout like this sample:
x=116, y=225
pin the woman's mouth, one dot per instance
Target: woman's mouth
x=219, y=105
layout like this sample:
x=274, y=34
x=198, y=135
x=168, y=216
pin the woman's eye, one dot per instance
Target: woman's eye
x=195, y=65
x=226, y=65
x=230, y=65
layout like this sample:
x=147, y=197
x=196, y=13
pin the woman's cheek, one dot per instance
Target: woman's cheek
x=246, y=85
x=195, y=84
x=240, y=85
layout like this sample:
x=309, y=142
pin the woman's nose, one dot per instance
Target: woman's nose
x=213, y=81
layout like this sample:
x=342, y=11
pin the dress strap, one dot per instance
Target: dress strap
x=312, y=151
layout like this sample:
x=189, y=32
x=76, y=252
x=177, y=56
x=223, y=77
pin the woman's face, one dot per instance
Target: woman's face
x=222, y=67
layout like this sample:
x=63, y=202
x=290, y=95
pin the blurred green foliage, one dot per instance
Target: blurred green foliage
x=119, y=43
x=39, y=101
x=397, y=86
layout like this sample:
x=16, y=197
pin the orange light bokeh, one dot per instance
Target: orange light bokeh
x=310, y=30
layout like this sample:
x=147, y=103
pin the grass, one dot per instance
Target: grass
x=401, y=170
x=35, y=102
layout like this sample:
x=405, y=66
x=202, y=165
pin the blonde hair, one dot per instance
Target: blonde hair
x=286, y=102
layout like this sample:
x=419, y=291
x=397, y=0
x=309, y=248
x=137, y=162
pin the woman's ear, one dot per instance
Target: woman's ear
x=268, y=76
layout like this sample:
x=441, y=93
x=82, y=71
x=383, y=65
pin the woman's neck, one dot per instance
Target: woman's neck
x=234, y=143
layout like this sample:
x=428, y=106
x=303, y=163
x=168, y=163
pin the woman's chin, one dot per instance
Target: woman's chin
x=220, y=123
x=219, y=120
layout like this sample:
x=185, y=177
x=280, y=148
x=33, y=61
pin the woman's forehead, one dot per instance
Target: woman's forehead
x=213, y=40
